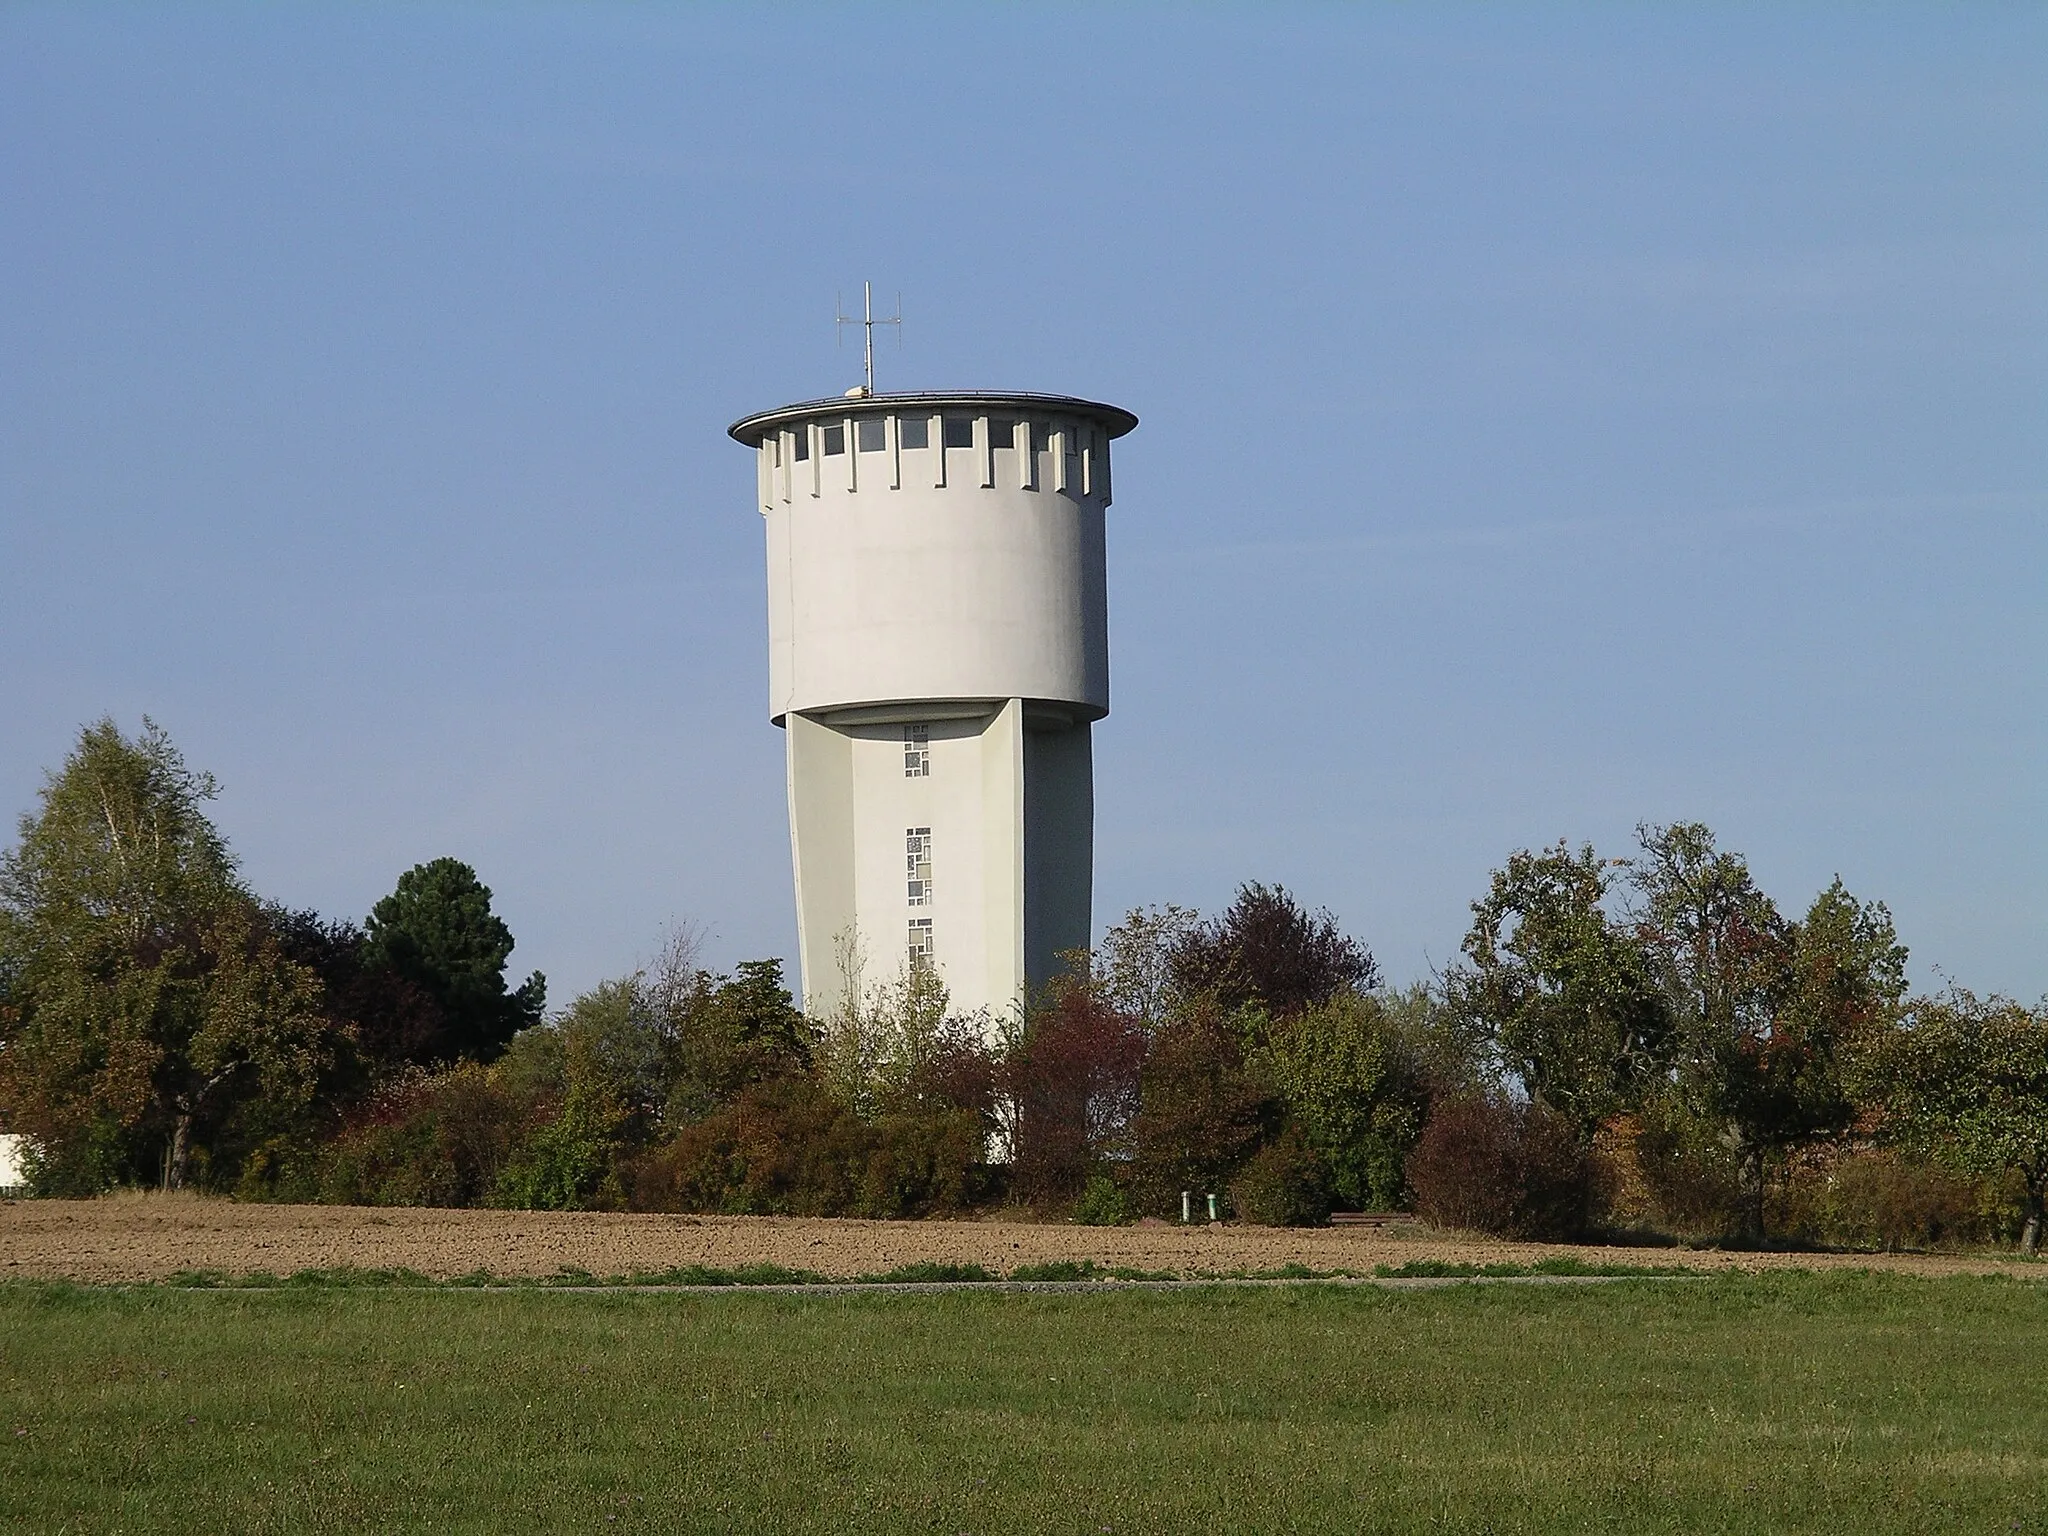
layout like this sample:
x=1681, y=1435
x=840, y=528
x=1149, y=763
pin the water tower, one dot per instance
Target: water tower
x=938, y=643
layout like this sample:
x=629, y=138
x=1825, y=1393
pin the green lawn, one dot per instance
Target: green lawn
x=1848, y=1403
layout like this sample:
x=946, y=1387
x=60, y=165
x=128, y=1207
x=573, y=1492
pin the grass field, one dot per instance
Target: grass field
x=1740, y=1403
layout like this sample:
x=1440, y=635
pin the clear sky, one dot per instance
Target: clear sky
x=1552, y=419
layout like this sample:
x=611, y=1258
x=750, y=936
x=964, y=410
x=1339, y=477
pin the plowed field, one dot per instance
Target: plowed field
x=148, y=1237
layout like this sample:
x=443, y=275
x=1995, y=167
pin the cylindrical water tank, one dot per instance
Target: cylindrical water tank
x=936, y=548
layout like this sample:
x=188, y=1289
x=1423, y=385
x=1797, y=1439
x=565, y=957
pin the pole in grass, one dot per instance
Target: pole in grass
x=1186, y=1212
x=1212, y=1207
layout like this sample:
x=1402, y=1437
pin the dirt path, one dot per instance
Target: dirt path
x=146, y=1237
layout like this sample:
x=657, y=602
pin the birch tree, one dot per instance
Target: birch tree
x=141, y=992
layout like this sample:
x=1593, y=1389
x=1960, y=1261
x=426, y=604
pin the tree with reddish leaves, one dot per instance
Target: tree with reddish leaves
x=1267, y=951
x=1486, y=1164
x=1074, y=1083
x=1202, y=1110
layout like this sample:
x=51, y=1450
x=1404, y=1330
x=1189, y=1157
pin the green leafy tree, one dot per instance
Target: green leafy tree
x=886, y=1038
x=1722, y=950
x=1767, y=1008
x=731, y=1032
x=1566, y=994
x=608, y=1047
x=1965, y=1079
x=438, y=931
x=635, y=1056
x=1357, y=1099
x=1724, y=956
x=144, y=994
x=1133, y=970
x=596, y=1081
x=1786, y=1085
x=1453, y=1052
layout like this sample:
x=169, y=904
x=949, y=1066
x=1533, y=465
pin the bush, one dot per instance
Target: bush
x=923, y=1165
x=1689, y=1182
x=1556, y=1186
x=1355, y=1093
x=437, y=1139
x=788, y=1147
x=89, y=1161
x=1511, y=1169
x=1879, y=1199
x=565, y=1164
x=281, y=1168
x=1103, y=1202
x=1284, y=1185
x=785, y=1147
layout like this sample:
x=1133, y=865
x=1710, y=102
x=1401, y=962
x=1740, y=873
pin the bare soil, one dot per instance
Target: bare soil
x=148, y=1237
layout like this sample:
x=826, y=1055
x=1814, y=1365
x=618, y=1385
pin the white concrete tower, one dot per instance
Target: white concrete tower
x=938, y=643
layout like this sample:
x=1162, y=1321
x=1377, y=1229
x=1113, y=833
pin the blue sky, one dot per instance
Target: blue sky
x=1552, y=419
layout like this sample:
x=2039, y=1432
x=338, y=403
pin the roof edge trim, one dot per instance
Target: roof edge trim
x=750, y=430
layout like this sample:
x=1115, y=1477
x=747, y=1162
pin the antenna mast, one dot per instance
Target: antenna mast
x=867, y=322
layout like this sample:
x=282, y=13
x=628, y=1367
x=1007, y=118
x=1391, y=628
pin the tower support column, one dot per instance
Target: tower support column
x=1002, y=853
x=821, y=847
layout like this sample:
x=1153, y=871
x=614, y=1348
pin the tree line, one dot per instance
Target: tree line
x=1644, y=1045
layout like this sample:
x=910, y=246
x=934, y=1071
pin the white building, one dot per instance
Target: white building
x=14, y=1152
x=938, y=640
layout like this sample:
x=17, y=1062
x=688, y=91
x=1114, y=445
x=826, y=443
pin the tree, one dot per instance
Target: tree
x=607, y=1046
x=1267, y=951
x=1724, y=956
x=1074, y=1081
x=1454, y=1053
x=1720, y=947
x=1766, y=1007
x=437, y=930
x=604, y=1095
x=887, y=1040
x=1133, y=970
x=1565, y=993
x=144, y=994
x=1201, y=1112
x=1355, y=1096
x=633, y=1058
x=394, y=1022
x=1785, y=1084
x=731, y=1032
x=1965, y=1079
